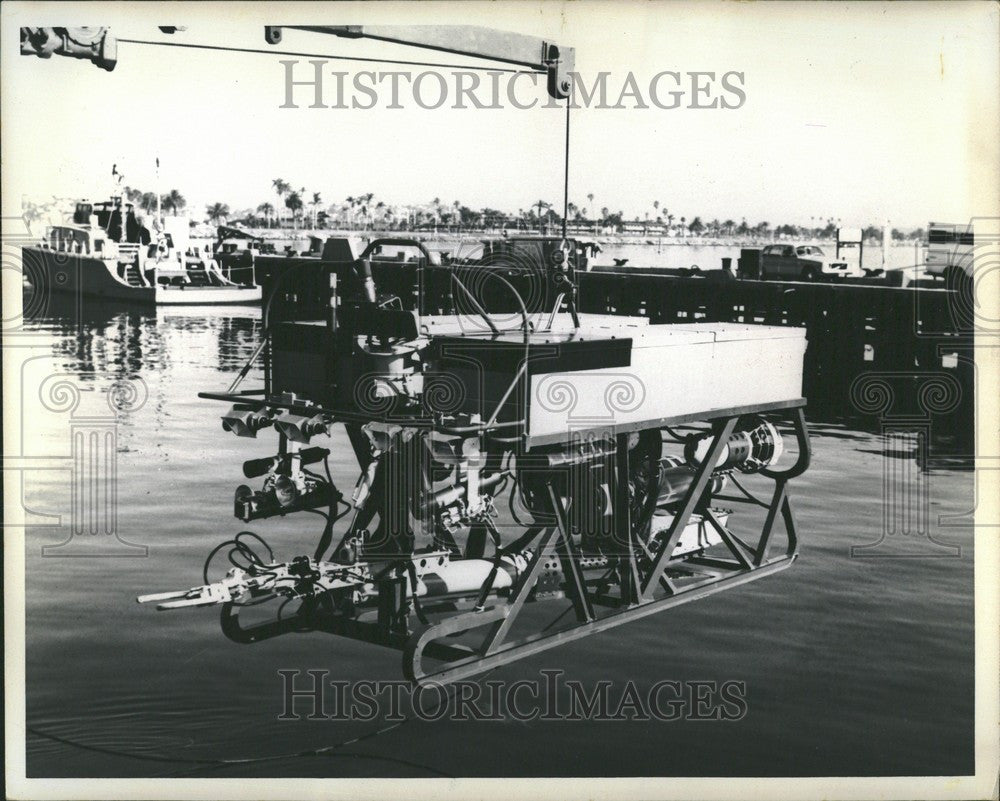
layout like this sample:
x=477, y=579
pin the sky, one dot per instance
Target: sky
x=864, y=113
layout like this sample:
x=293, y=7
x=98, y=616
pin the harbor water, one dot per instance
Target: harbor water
x=857, y=660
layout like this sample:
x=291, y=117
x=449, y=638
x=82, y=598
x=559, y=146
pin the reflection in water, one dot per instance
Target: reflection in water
x=100, y=339
x=852, y=666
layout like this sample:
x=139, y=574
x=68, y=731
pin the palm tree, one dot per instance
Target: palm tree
x=267, y=210
x=363, y=210
x=541, y=204
x=148, y=202
x=173, y=201
x=294, y=204
x=315, y=206
x=280, y=189
x=217, y=211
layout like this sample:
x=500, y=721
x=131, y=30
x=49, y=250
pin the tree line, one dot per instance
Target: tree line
x=297, y=208
x=364, y=211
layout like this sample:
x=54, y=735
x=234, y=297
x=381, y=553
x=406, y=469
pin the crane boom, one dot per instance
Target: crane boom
x=541, y=55
x=465, y=40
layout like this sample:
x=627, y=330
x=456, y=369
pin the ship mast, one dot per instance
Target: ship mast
x=156, y=188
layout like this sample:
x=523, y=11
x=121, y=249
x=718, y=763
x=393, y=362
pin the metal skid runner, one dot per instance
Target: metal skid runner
x=490, y=488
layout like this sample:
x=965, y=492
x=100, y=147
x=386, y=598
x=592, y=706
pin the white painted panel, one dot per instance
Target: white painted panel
x=673, y=373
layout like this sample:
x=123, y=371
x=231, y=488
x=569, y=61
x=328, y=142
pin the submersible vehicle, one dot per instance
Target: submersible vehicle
x=517, y=457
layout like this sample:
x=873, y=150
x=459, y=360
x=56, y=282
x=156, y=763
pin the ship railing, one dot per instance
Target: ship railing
x=68, y=240
x=128, y=251
x=229, y=277
x=170, y=272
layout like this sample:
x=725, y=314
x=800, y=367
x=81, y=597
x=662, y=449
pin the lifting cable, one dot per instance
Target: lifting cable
x=327, y=56
x=569, y=103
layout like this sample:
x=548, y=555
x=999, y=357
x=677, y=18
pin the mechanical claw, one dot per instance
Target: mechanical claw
x=236, y=584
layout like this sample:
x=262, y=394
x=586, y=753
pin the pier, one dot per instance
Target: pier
x=901, y=337
x=876, y=355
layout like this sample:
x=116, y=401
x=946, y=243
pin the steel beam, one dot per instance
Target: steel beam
x=463, y=40
x=536, y=643
x=691, y=499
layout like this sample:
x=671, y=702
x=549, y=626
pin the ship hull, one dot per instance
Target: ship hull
x=208, y=295
x=50, y=271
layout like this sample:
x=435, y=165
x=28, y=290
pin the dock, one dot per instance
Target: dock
x=877, y=356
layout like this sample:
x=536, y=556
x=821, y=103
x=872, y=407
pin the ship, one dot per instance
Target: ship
x=106, y=252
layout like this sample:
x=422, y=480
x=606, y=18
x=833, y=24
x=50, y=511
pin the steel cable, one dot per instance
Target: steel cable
x=260, y=51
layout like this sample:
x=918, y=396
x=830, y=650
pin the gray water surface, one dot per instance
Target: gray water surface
x=856, y=665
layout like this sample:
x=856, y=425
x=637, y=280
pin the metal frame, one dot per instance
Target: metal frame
x=645, y=583
x=638, y=581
